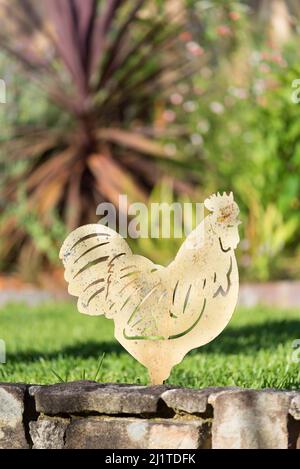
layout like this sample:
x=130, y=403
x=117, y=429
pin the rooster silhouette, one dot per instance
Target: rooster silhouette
x=159, y=313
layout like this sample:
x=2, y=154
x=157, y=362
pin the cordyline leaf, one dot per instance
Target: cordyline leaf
x=73, y=197
x=99, y=62
x=85, y=17
x=63, y=15
x=51, y=167
x=131, y=71
x=33, y=177
x=29, y=147
x=113, y=180
x=46, y=197
x=132, y=140
x=148, y=40
x=145, y=167
x=153, y=79
x=37, y=70
x=8, y=242
x=31, y=14
x=11, y=10
x=27, y=58
x=85, y=12
x=112, y=61
x=100, y=28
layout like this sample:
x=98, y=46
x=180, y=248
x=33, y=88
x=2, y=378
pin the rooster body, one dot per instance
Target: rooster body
x=160, y=313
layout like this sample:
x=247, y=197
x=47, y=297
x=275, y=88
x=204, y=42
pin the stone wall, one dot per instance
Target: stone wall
x=85, y=414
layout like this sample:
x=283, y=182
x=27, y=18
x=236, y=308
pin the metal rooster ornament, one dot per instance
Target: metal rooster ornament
x=160, y=313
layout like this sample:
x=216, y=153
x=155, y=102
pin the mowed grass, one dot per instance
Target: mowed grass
x=47, y=343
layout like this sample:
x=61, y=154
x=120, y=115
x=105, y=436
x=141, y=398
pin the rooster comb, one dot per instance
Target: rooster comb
x=217, y=201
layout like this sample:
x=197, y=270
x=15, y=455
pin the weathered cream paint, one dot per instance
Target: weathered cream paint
x=160, y=313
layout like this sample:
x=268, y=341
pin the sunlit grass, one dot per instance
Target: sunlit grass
x=54, y=342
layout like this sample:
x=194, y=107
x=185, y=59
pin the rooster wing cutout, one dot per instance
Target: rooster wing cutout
x=160, y=313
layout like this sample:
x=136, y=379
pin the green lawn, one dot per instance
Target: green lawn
x=255, y=350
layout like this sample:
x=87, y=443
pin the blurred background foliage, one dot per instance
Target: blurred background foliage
x=161, y=100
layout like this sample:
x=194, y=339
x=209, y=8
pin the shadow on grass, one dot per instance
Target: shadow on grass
x=251, y=338
x=244, y=339
x=90, y=349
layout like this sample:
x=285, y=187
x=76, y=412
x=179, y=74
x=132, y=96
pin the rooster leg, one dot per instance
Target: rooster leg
x=158, y=375
x=154, y=379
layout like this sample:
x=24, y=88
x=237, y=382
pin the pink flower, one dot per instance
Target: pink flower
x=189, y=106
x=194, y=48
x=264, y=68
x=265, y=56
x=223, y=30
x=216, y=107
x=169, y=115
x=196, y=139
x=198, y=90
x=234, y=15
x=176, y=99
x=278, y=59
x=185, y=36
